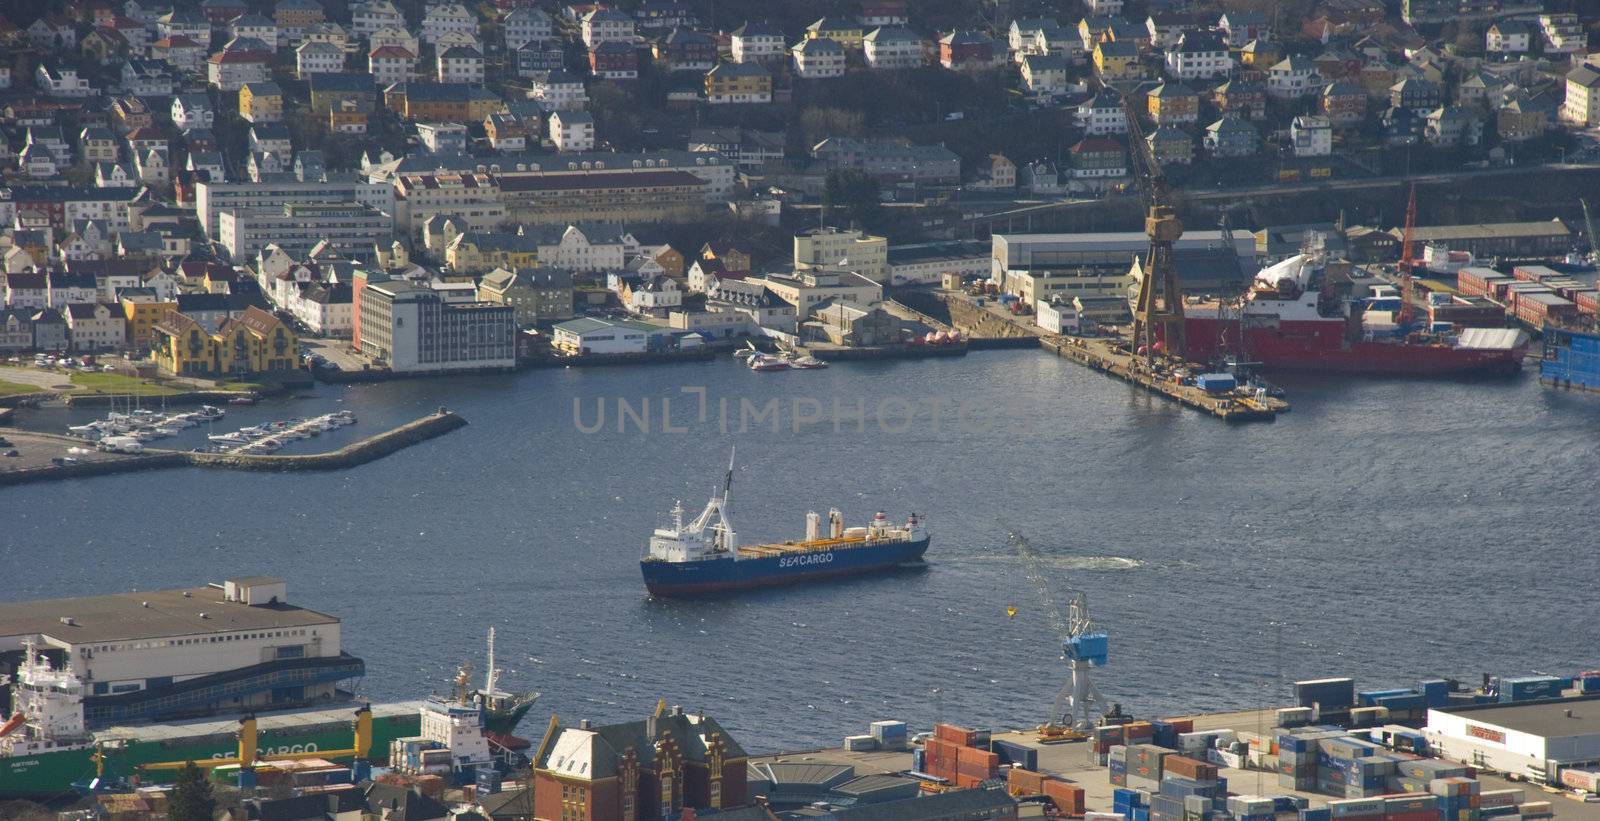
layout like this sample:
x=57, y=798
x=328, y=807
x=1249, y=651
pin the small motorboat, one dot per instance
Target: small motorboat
x=764, y=362
x=807, y=363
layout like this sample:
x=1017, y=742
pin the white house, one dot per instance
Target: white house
x=757, y=42
x=390, y=64
x=605, y=25
x=1103, y=114
x=572, y=130
x=818, y=59
x=317, y=58
x=461, y=64
x=370, y=16
x=1311, y=135
x=1508, y=37
x=893, y=48
x=588, y=335
x=192, y=111
x=1198, y=55
x=1292, y=78
x=448, y=18
x=526, y=24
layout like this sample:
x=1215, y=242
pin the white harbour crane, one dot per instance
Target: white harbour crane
x=1078, y=706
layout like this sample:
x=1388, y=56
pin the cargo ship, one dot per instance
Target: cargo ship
x=1285, y=322
x=47, y=750
x=1570, y=359
x=704, y=555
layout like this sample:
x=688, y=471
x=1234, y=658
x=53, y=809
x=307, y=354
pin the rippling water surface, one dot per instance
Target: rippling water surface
x=1397, y=530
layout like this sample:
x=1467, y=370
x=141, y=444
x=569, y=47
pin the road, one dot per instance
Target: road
x=1284, y=188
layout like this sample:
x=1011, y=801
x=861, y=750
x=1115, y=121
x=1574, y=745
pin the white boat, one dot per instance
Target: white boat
x=763, y=362
x=209, y=412
x=227, y=438
x=163, y=430
x=807, y=363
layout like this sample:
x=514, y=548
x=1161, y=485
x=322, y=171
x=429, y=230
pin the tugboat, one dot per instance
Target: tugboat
x=704, y=555
x=502, y=710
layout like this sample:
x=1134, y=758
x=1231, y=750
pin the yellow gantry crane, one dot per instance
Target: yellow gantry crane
x=1158, y=313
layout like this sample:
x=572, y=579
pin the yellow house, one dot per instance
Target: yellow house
x=1259, y=54
x=841, y=31
x=261, y=102
x=254, y=342
x=738, y=83
x=142, y=312
x=472, y=252
x=1117, y=60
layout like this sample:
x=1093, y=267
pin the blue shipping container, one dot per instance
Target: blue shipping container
x=1318, y=814
x=1369, y=698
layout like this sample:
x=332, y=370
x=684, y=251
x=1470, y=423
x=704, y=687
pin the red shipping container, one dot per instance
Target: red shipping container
x=1025, y=782
x=1182, y=725
x=1068, y=798
x=1136, y=731
x=956, y=735
x=1189, y=768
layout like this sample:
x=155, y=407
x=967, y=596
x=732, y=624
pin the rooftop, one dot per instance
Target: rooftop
x=144, y=615
x=1541, y=718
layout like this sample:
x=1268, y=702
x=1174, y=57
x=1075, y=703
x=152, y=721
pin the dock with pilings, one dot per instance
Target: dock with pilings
x=1106, y=356
x=1111, y=356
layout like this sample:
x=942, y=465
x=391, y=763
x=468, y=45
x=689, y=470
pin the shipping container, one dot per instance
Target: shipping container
x=1317, y=814
x=1022, y=781
x=1492, y=799
x=1189, y=768
x=1019, y=755
x=1587, y=780
x=1067, y=797
x=1529, y=688
x=962, y=736
x=1328, y=692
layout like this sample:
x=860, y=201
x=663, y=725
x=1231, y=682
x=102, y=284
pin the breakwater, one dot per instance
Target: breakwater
x=358, y=453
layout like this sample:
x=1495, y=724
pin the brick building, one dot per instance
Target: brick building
x=639, y=770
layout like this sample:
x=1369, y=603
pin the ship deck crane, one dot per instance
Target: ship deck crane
x=1588, y=226
x=249, y=758
x=1408, y=261
x=1158, y=313
x=1078, y=706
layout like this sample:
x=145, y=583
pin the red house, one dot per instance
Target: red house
x=219, y=12
x=638, y=771
x=614, y=61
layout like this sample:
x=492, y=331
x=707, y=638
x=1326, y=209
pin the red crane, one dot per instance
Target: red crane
x=1407, y=260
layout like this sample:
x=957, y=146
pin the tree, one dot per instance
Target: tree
x=853, y=196
x=191, y=798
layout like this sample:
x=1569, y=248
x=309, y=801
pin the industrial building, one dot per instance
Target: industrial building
x=157, y=654
x=1111, y=253
x=1534, y=739
x=213, y=198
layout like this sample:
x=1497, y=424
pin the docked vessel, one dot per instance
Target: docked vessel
x=704, y=555
x=1285, y=322
x=46, y=746
x=502, y=710
x=1570, y=359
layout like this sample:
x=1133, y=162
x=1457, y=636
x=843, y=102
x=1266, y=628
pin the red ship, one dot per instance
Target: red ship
x=1288, y=325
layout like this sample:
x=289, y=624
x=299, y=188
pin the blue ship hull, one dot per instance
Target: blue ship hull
x=1571, y=360
x=726, y=574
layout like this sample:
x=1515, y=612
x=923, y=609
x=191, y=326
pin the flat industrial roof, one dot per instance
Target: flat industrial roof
x=147, y=615
x=1547, y=719
x=266, y=722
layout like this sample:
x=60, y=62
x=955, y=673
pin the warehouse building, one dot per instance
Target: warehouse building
x=1105, y=253
x=1533, y=739
x=148, y=655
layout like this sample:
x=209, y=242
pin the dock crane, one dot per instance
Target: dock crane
x=1078, y=705
x=1158, y=314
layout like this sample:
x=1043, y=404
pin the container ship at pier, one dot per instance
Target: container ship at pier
x=704, y=556
x=1285, y=322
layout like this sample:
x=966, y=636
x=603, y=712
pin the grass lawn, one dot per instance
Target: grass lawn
x=116, y=383
x=238, y=386
x=14, y=388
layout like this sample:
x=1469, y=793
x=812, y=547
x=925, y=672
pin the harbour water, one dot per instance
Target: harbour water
x=1396, y=529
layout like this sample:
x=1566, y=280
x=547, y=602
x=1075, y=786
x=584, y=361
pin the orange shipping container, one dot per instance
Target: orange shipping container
x=1182, y=725
x=1068, y=798
x=1189, y=768
x=955, y=735
x=1138, y=730
x=1025, y=782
